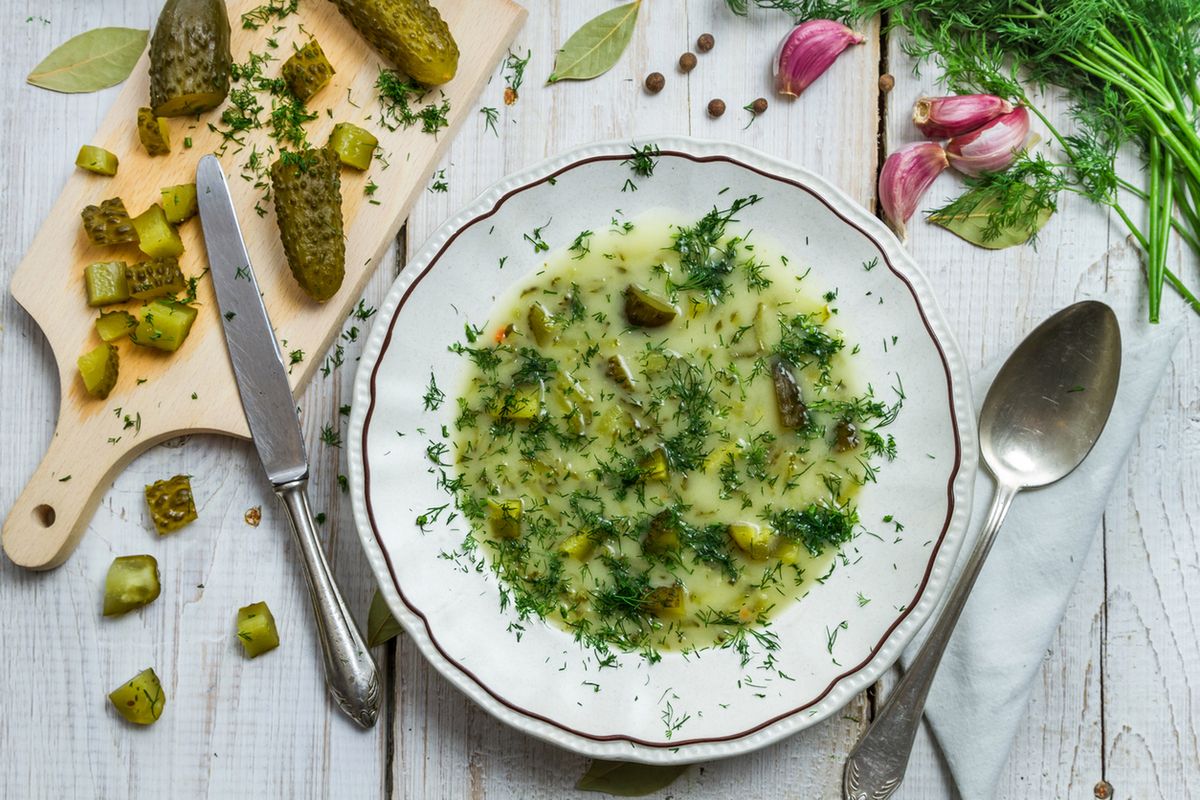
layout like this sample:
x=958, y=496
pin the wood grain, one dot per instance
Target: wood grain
x=194, y=391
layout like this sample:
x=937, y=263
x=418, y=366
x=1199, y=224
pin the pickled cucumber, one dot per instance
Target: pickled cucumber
x=164, y=325
x=132, y=582
x=654, y=466
x=256, y=629
x=505, y=517
x=171, y=504
x=98, y=368
x=154, y=133
x=97, y=160
x=663, y=534
x=307, y=71
x=115, y=325
x=793, y=413
x=542, y=324
x=752, y=539
x=108, y=223
x=179, y=202
x=353, y=145
x=157, y=237
x=141, y=699
x=578, y=546
x=308, y=208
x=646, y=310
x=154, y=278
x=189, y=58
x=409, y=33
x=665, y=601
x=106, y=283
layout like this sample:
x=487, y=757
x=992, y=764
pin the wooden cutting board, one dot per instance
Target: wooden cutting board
x=160, y=395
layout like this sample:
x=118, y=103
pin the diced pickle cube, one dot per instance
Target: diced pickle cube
x=654, y=465
x=663, y=534
x=353, y=145
x=646, y=310
x=542, y=325
x=154, y=133
x=108, y=223
x=140, y=699
x=106, y=283
x=179, y=202
x=522, y=403
x=307, y=71
x=97, y=160
x=157, y=277
x=157, y=237
x=98, y=368
x=846, y=436
x=132, y=582
x=753, y=540
x=171, y=504
x=578, y=546
x=787, y=551
x=505, y=517
x=256, y=629
x=619, y=371
x=115, y=325
x=666, y=602
x=164, y=325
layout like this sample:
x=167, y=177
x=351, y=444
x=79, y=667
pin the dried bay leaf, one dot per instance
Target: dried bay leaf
x=974, y=224
x=381, y=625
x=595, y=47
x=91, y=61
x=625, y=779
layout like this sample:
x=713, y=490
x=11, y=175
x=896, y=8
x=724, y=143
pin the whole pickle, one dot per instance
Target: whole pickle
x=308, y=208
x=409, y=33
x=189, y=58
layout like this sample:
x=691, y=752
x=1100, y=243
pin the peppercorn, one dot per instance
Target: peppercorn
x=687, y=62
x=655, y=82
x=759, y=106
x=716, y=107
x=705, y=42
x=886, y=82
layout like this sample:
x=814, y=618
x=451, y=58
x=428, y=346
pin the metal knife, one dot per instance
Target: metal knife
x=350, y=672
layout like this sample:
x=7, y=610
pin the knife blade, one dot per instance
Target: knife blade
x=350, y=673
x=257, y=361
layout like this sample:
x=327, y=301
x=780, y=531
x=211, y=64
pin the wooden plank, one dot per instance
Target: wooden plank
x=48, y=519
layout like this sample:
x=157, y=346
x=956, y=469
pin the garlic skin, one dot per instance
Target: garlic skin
x=905, y=176
x=990, y=148
x=943, y=117
x=807, y=51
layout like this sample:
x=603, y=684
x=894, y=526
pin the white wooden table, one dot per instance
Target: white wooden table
x=1119, y=695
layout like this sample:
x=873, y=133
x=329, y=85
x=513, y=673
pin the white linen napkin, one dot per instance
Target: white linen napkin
x=983, y=685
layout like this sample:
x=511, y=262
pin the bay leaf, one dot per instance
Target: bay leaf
x=625, y=779
x=972, y=226
x=91, y=61
x=595, y=47
x=381, y=625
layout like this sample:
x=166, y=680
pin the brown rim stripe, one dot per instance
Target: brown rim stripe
x=624, y=737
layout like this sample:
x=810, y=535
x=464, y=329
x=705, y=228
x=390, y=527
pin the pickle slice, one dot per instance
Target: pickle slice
x=108, y=223
x=256, y=629
x=619, y=371
x=179, y=203
x=542, y=324
x=97, y=160
x=654, y=466
x=353, y=145
x=132, y=582
x=154, y=132
x=646, y=310
x=578, y=546
x=99, y=368
x=106, y=283
x=663, y=534
x=505, y=517
x=115, y=325
x=307, y=71
x=792, y=411
x=752, y=539
x=140, y=699
x=156, y=236
x=171, y=504
x=156, y=277
x=165, y=325
x=666, y=602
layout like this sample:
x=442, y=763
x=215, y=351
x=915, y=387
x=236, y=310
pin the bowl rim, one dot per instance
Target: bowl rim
x=853, y=678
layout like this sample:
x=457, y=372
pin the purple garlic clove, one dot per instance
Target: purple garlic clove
x=807, y=51
x=943, y=117
x=990, y=148
x=905, y=176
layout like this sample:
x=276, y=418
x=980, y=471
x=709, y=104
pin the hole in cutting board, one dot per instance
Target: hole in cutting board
x=44, y=514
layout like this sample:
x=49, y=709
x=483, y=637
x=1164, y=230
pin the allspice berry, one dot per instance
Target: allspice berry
x=705, y=42
x=886, y=82
x=687, y=62
x=716, y=107
x=759, y=106
x=655, y=82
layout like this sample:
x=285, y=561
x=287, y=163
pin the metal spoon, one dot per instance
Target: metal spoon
x=1044, y=411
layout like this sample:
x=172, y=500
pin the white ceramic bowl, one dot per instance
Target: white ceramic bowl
x=683, y=708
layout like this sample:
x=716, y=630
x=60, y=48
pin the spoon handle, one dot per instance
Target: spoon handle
x=877, y=763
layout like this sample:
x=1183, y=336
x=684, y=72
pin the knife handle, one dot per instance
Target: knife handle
x=350, y=672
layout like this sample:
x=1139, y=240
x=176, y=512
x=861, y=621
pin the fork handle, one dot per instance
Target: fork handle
x=877, y=763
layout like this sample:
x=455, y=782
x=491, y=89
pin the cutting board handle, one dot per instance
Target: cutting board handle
x=50, y=515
